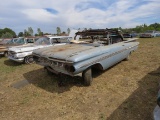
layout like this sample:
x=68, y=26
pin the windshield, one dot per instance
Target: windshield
x=20, y=41
x=43, y=41
x=60, y=40
x=12, y=41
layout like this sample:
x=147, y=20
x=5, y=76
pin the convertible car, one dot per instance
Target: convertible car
x=101, y=52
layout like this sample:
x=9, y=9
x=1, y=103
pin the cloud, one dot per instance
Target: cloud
x=47, y=15
x=39, y=15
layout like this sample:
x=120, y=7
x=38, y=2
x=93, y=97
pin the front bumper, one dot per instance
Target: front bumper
x=16, y=59
x=1, y=53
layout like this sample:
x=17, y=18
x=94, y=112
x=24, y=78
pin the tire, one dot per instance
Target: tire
x=48, y=72
x=87, y=77
x=29, y=60
x=128, y=57
x=5, y=53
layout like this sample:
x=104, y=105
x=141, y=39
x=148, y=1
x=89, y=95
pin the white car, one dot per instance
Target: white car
x=156, y=111
x=148, y=34
x=24, y=53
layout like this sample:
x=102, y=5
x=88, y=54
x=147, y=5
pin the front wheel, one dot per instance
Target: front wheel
x=87, y=77
x=48, y=71
x=6, y=54
x=29, y=59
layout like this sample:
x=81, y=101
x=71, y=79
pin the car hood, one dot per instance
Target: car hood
x=70, y=52
x=26, y=48
x=79, y=52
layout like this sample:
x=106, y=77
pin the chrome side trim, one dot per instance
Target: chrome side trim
x=107, y=56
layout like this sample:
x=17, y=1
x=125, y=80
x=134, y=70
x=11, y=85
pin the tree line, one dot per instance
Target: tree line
x=9, y=33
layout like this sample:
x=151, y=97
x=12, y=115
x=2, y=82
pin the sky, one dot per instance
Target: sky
x=96, y=14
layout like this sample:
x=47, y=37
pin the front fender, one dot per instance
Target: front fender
x=23, y=54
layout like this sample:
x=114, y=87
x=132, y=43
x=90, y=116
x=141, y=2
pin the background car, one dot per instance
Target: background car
x=5, y=41
x=127, y=35
x=148, y=34
x=15, y=42
x=157, y=33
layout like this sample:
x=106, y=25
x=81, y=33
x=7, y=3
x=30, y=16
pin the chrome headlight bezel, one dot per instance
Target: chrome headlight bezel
x=69, y=68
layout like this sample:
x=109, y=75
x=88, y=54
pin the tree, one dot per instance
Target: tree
x=7, y=35
x=41, y=34
x=58, y=30
x=26, y=33
x=68, y=31
x=156, y=26
x=38, y=31
x=36, y=34
x=30, y=31
x=63, y=33
x=85, y=28
x=7, y=30
x=20, y=34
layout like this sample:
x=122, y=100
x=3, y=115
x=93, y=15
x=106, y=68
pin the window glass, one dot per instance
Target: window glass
x=43, y=41
x=30, y=40
x=64, y=40
x=20, y=41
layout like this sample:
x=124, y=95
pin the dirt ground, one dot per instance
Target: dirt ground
x=127, y=91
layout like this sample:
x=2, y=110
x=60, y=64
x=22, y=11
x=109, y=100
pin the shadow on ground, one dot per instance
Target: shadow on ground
x=12, y=63
x=140, y=104
x=55, y=83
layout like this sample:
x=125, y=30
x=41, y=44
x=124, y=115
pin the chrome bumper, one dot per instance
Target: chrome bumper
x=16, y=59
x=1, y=53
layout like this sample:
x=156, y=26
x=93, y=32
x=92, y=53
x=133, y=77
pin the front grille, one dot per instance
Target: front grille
x=11, y=53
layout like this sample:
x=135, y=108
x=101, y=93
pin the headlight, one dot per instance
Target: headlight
x=69, y=68
x=54, y=63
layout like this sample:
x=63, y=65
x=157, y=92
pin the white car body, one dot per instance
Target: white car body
x=20, y=53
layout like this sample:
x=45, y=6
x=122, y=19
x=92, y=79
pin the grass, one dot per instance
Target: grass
x=126, y=91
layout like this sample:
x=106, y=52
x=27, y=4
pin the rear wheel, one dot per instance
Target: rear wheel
x=128, y=57
x=29, y=59
x=87, y=77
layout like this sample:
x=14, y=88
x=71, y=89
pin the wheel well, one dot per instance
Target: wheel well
x=97, y=66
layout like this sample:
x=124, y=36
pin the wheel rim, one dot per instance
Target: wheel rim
x=29, y=60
